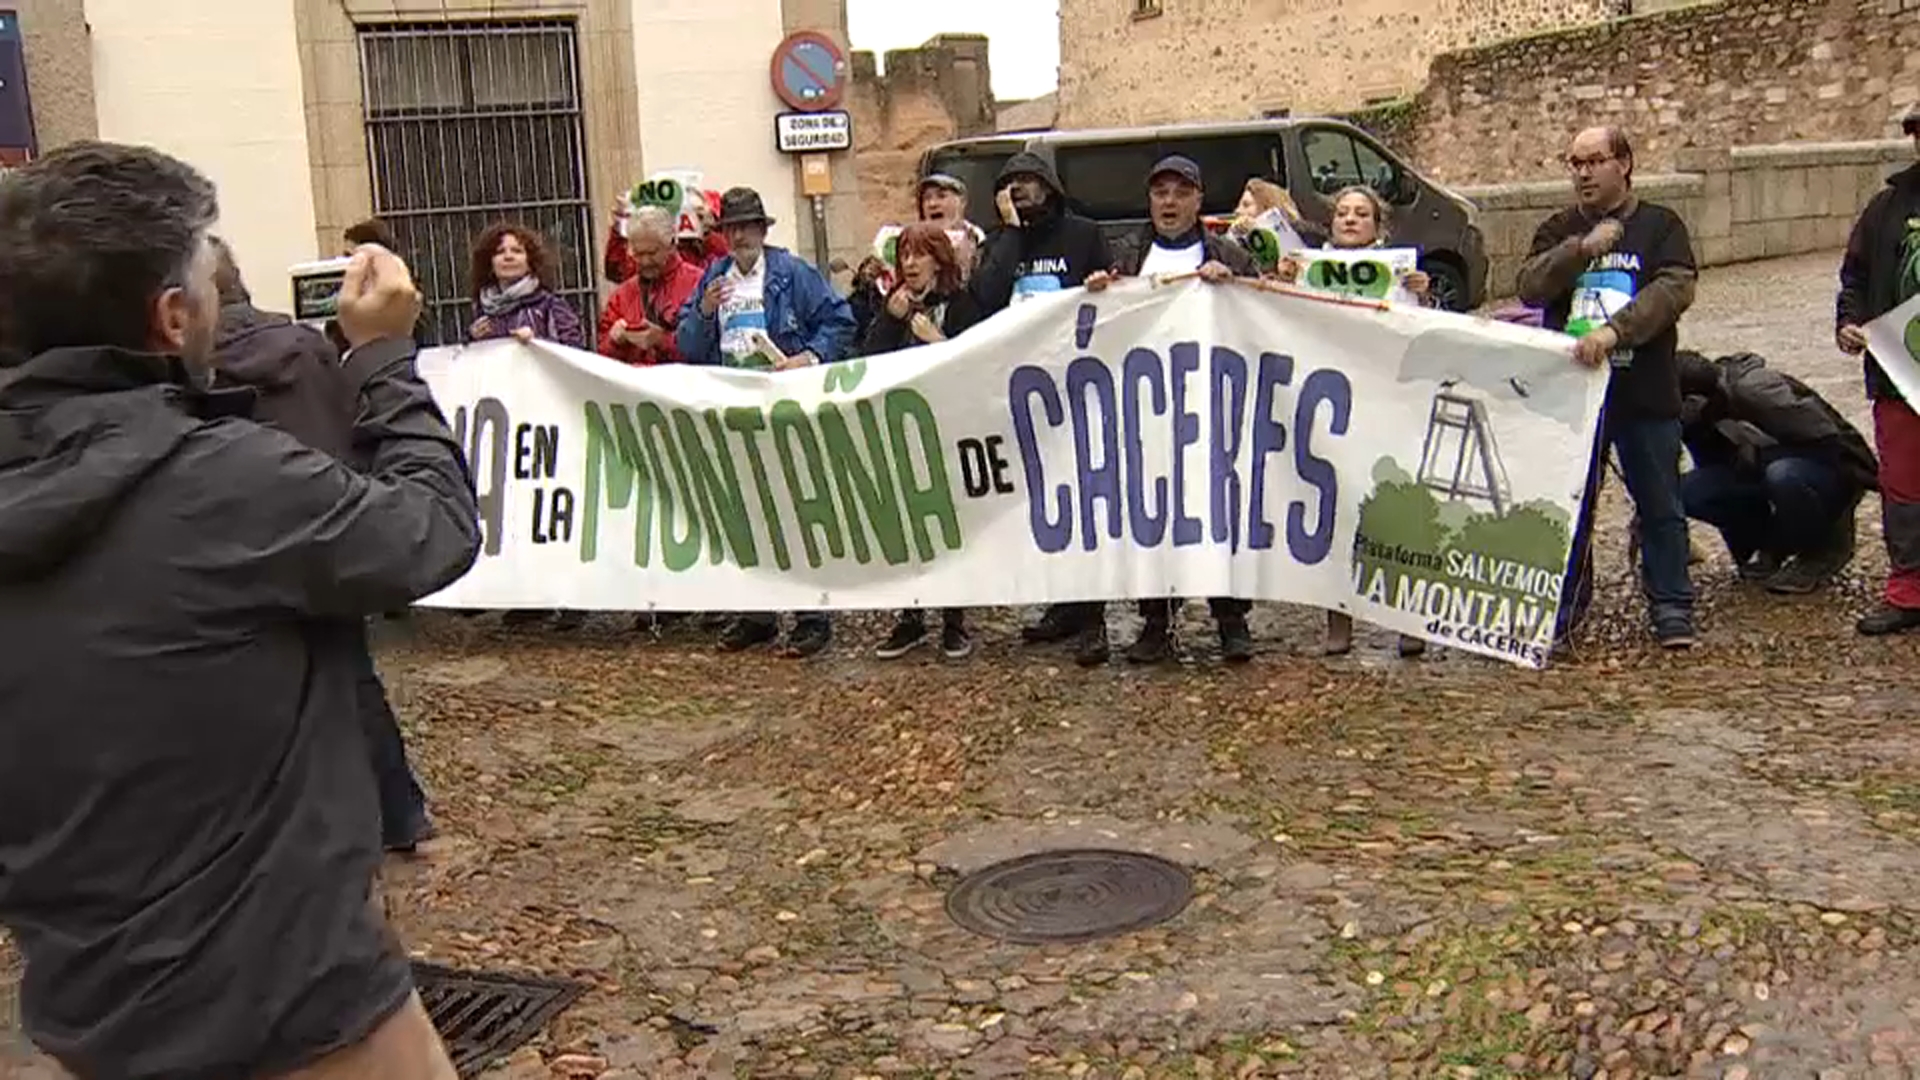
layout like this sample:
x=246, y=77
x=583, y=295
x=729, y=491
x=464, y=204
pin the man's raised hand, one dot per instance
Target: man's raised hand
x=377, y=298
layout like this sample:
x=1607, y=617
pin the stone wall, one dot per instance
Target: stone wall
x=59, y=70
x=1728, y=73
x=1750, y=202
x=939, y=91
x=1240, y=59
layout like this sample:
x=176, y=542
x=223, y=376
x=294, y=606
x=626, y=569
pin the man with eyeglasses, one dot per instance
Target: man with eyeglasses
x=1616, y=272
x=1881, y=271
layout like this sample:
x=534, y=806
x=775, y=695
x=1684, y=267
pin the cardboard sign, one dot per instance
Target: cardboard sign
x=1360, y=273
x=1894, y=340
x=677, y=191
x=1269, y=238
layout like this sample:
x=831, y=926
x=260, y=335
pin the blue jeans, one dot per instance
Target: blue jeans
x=1789, y=507
x=403, y=806
x=1649, y=452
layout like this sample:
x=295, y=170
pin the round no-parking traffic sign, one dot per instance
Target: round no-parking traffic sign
x=809, y=71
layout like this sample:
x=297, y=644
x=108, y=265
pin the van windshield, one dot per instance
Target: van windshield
x=977, y=168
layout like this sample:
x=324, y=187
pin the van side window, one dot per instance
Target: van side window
x=1106, y=181
x=1228, y=162
x=1338, y=160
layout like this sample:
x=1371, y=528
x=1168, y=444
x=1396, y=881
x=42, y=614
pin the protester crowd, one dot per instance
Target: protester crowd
x=1777, y=470
x=205, y=503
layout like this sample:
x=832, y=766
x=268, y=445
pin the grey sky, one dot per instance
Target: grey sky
x=1024, y=35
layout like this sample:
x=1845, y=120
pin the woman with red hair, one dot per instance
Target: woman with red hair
x=931, y=303
x=513, y=276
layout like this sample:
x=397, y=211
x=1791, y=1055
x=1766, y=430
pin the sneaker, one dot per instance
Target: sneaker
x=570, y=620
x=1236, y=641
x=808, y=639
x=521, y=618
x=1674, y=631
x=1090, y=647
x=908, y=635
x=955, y=642
x=1411, y=647
x=746, y=633
x=1802, y=575
x=1153, y=646
x=1057, y=625
x=1760, y=569
x=1887, y=619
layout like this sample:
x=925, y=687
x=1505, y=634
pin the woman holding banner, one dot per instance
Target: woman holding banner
x=931, y=303
x=1360, y=219
x=510, y=271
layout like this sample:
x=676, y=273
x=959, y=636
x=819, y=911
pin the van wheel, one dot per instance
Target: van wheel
x=1448, y=283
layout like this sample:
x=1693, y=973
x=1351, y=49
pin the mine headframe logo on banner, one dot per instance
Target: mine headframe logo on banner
x=1443, y=536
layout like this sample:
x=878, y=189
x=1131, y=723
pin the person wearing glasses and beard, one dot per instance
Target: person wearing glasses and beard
x=1616, y=272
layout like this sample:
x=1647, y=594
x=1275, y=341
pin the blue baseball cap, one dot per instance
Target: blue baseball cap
x=1176, y=165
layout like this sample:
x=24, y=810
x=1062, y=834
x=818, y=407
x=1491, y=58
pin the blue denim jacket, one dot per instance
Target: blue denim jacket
x=804, y=314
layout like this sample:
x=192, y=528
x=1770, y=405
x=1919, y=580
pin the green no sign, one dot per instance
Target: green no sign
x=1365, y=278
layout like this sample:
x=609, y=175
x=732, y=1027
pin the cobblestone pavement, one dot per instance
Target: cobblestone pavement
x=1633, y=865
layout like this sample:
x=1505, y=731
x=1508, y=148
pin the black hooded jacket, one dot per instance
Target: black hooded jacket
x=1877, y=255
x=188, y=827
x=1053, y=248
x=1737, y=411
x=295, y=371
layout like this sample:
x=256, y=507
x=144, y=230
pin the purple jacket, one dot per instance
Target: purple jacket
x=550, y=317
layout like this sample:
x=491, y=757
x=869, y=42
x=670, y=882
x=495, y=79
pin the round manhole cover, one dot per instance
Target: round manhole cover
x=1069, y=896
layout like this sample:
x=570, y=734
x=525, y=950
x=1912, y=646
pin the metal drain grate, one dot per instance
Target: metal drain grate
x=1070, y=896
x=483, y=1016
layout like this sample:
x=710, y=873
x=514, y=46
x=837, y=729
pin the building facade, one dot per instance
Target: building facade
x=438, y=116
x=1244, y=59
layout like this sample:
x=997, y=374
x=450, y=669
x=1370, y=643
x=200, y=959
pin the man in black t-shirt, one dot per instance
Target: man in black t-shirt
x=1616, y=273
x=1041, y=247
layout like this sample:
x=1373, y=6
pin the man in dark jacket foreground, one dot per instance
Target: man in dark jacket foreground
x=188, y=833
x=1776, y=469
x=1174, y=242
x=300, y=388
x=1880, y=272
x=1042, y=247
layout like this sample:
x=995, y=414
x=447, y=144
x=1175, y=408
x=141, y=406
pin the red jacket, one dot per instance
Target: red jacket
x=632, y=302
x=618, y=264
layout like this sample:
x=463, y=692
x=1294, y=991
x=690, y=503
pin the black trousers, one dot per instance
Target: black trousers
x=1157, y=610
x=1224, y=608
x=403, y=806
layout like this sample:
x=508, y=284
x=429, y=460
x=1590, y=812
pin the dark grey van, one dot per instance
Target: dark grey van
x=1105, y=171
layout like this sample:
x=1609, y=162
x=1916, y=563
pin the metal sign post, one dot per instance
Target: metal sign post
x=809, y=74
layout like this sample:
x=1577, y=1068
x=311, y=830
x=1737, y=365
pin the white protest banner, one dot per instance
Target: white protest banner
x=1894, y=340
x=1179, y=439
x=1359, y=273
